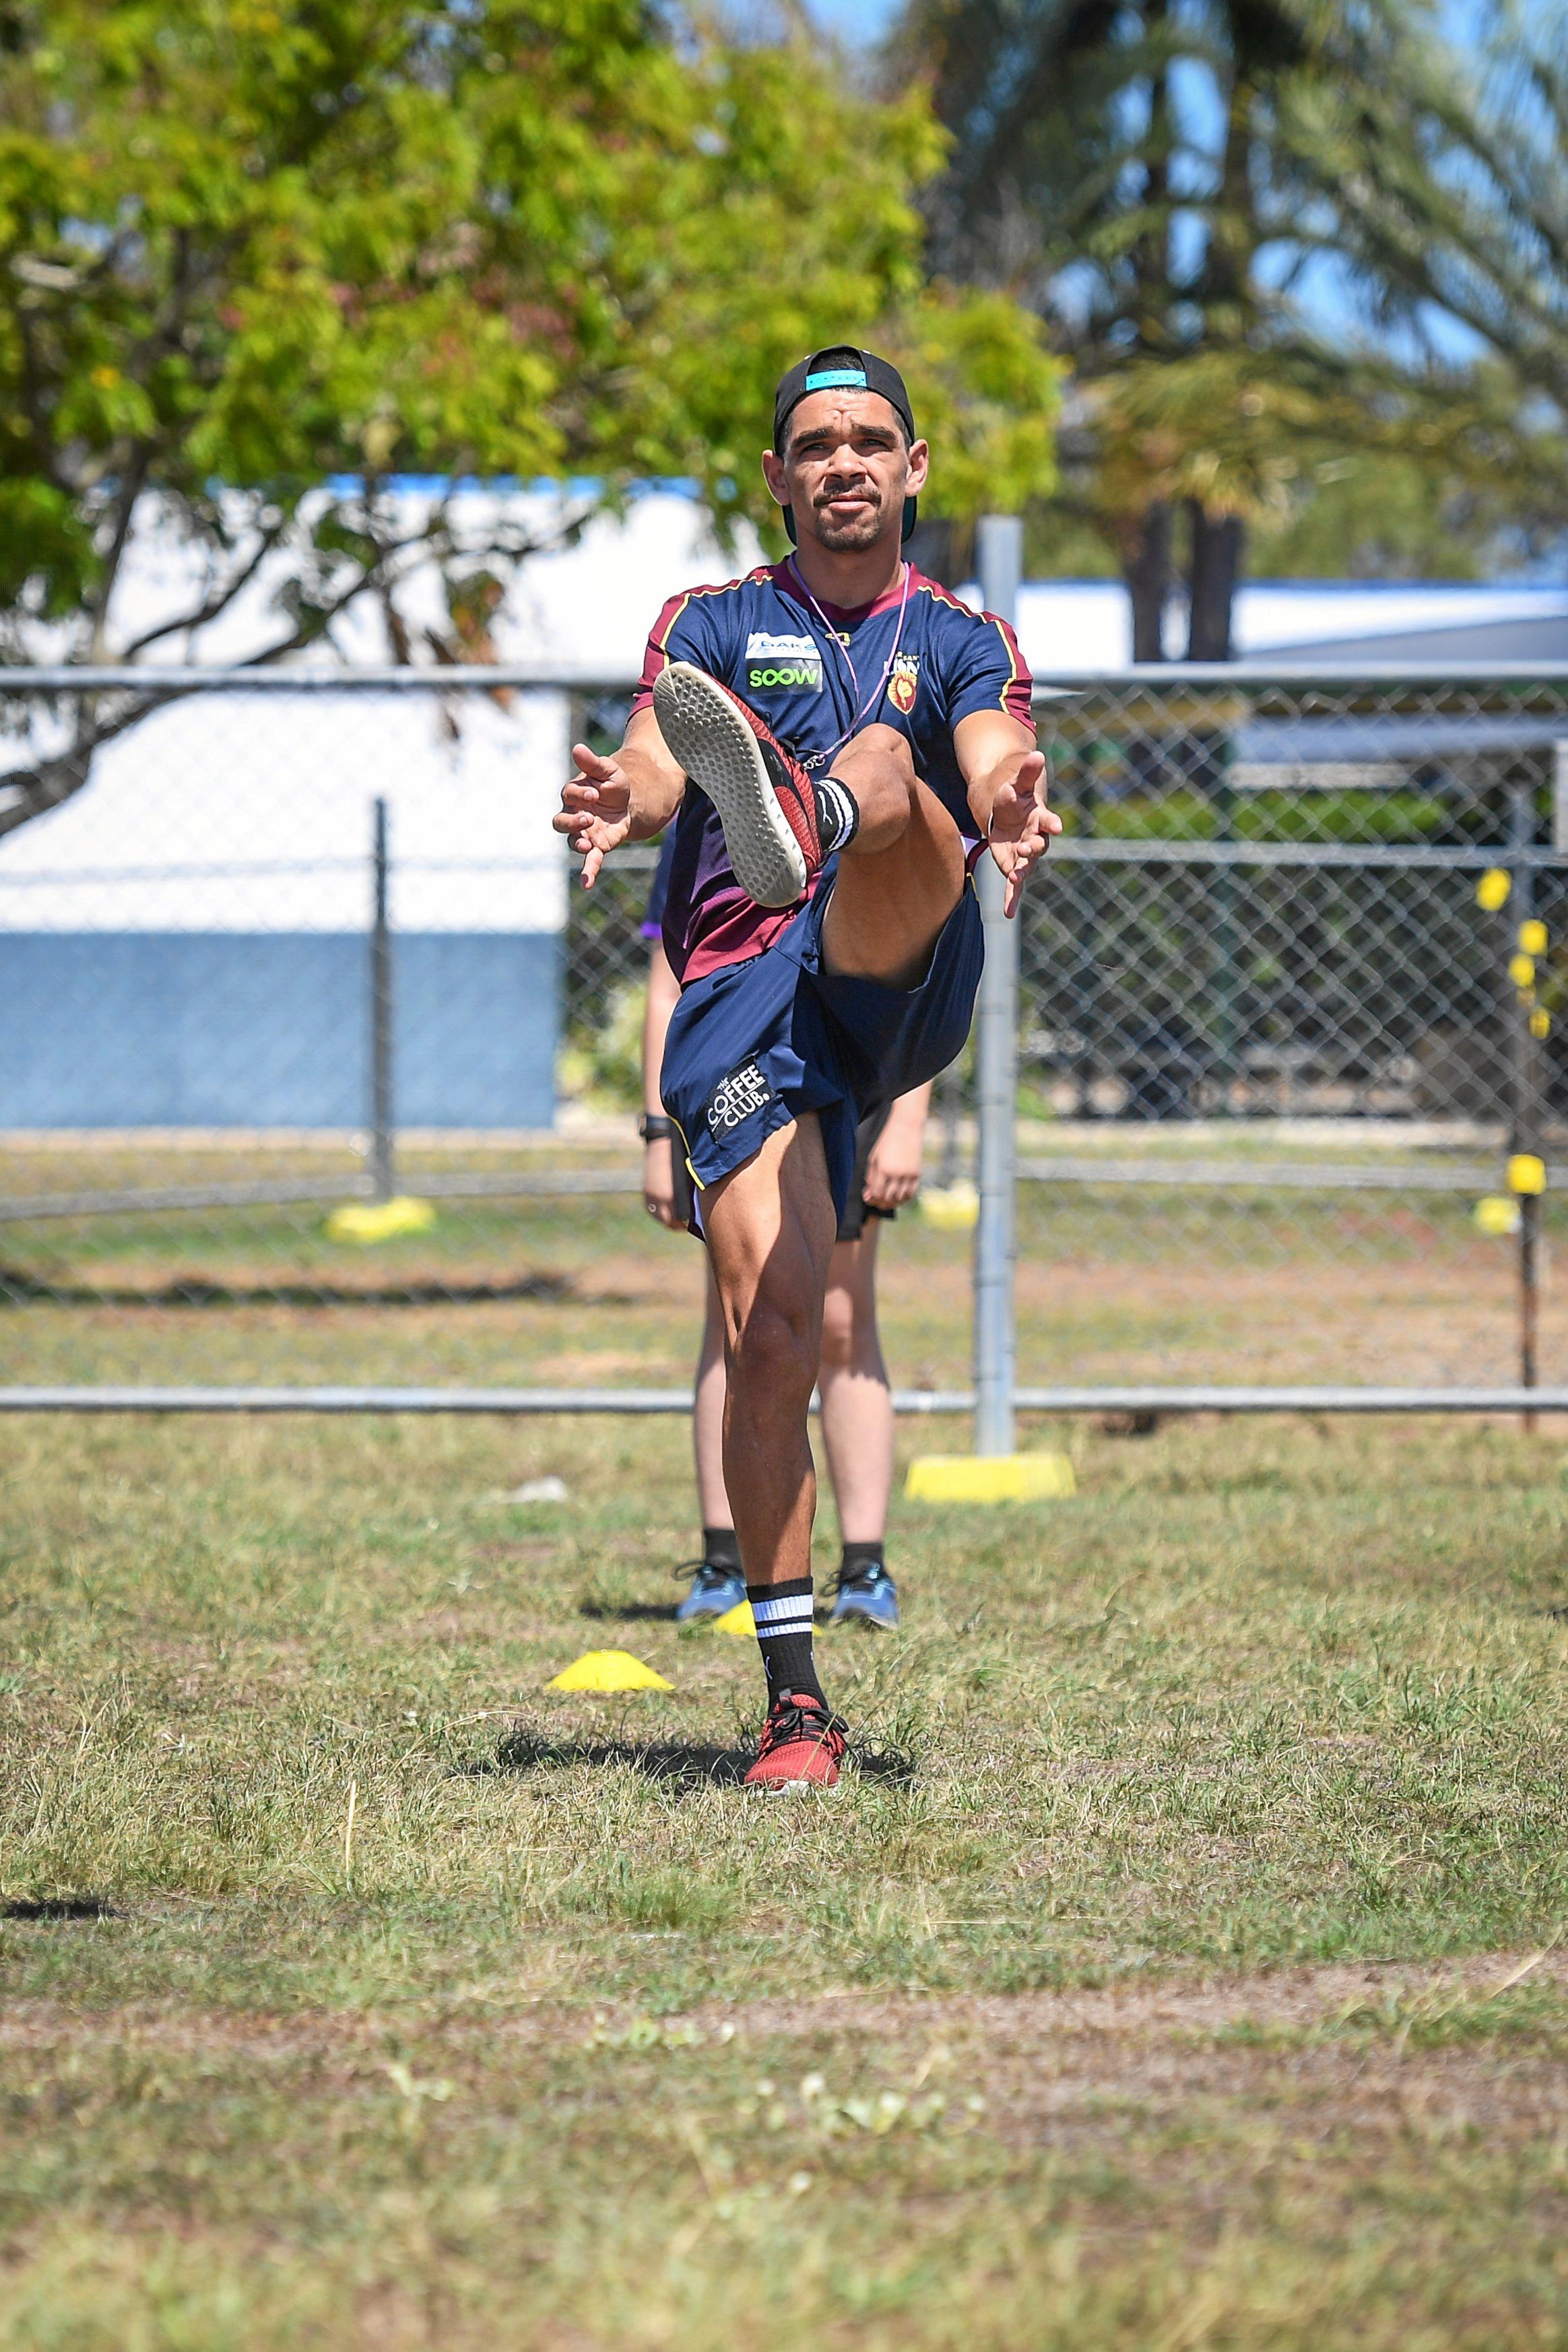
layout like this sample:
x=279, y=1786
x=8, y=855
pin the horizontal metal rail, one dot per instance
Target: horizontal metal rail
x=512, y=1401
x=1199, y=1175
x=399, y=1400
x=1067, y=849
x=26, y=1208
x=108, y=677
x=1079, y=849
x=1263, y=1176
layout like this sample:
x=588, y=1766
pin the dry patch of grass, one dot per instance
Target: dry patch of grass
x=1275, y=2161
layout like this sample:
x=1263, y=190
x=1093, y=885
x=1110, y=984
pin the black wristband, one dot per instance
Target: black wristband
x=654, y=1129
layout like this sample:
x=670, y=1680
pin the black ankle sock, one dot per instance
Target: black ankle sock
x=721, y=1549
x=856, y=1558
x=783, y=1612
x=837, y=814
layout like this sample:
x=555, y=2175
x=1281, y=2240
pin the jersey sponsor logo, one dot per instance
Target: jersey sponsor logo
x=776, y=659
x=904, y=683
x=735, y=1098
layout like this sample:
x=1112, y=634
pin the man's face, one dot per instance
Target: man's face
x=846, y=469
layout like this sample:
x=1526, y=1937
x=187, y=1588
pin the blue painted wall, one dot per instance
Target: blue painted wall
x=272, y=1029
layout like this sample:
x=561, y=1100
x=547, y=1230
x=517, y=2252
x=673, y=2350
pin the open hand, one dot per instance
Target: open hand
x=1021, y=825
x=596, y=810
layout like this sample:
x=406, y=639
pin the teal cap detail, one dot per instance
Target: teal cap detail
x=829, y=379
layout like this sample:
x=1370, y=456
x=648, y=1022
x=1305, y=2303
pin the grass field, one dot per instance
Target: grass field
x=1180, y=1968
x=1114, y=1285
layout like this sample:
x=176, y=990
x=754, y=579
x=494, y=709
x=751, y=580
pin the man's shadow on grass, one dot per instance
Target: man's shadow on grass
x=685, y=1763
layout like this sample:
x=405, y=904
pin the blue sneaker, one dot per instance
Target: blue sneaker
x=713, y=1591
x=870, y=1593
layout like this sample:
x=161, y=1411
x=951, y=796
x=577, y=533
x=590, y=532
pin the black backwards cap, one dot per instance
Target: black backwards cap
x=841, y=367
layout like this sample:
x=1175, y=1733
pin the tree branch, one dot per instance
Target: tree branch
x=216, y=604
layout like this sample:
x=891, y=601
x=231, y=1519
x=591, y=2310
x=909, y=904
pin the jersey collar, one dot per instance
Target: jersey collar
x=846, y=616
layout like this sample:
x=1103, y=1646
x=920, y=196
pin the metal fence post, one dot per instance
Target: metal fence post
x=1000, y=548
x=1525, y=1135
x=383, y=1176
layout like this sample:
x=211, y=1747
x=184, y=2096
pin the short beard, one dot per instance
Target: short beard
x=849, y=537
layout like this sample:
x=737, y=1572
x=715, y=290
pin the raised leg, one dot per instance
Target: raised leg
x=901, y=876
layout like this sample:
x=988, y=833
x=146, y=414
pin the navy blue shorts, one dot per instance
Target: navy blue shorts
x=759, y=1043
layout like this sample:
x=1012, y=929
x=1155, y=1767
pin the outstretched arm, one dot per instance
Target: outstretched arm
x=628, y=797
x=1006, y=773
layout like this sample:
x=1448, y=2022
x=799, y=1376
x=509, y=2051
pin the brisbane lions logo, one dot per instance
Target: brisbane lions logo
x=903, y=684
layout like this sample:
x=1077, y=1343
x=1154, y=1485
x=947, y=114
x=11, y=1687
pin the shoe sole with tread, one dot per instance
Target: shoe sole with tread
x=718, y=752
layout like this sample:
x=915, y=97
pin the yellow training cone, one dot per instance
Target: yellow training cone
x=991, y=1478
x=738, y=1620
x=607, y=1670
x=379, y=1221
x=950, y=1208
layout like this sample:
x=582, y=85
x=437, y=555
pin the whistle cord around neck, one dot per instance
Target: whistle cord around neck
x=873, y=700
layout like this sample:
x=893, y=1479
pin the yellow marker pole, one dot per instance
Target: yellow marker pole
x=1527, y=1182
x=383, y=1183
x=1526, y=1173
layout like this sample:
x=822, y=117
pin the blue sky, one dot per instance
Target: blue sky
x=868, y=19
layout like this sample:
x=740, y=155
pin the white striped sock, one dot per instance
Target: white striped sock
x=782, y=1616
x=837, y=814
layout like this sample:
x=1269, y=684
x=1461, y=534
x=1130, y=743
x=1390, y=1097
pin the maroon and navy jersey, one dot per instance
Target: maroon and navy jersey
x=813, y=686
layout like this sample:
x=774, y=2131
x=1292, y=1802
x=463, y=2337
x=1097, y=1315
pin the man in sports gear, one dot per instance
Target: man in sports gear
x=857, y=1401
x=841, y=737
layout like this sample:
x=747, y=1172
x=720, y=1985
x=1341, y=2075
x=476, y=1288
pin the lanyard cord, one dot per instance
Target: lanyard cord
x=819, y=759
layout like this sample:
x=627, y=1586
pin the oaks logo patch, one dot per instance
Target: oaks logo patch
x=779, y=660
x=904, y=683
x=745, y=1090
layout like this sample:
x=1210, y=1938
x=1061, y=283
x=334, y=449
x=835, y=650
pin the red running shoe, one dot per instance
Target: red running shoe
x=802, y=1744
x=765, y=800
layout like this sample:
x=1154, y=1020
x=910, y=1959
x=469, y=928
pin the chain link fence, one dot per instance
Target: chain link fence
x=1289, y=991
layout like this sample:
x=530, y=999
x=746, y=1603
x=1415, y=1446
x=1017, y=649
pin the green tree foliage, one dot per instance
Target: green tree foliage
x=253, y=249
x=1161, y=178
x=1485, y=138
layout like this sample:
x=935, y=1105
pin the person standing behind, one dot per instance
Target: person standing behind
x=856, y=1401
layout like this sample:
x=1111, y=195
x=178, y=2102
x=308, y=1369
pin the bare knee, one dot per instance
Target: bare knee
x=883, y=742
x=771, y=1355
x=879, y=759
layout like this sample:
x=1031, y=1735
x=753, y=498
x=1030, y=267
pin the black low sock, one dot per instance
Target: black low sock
x=837, y=814
x=720, y=1548
x=783, y=1612
x=856, y=1558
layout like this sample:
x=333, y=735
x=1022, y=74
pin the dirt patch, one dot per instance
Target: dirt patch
x=1177, y=2013
x=1290, y=1998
